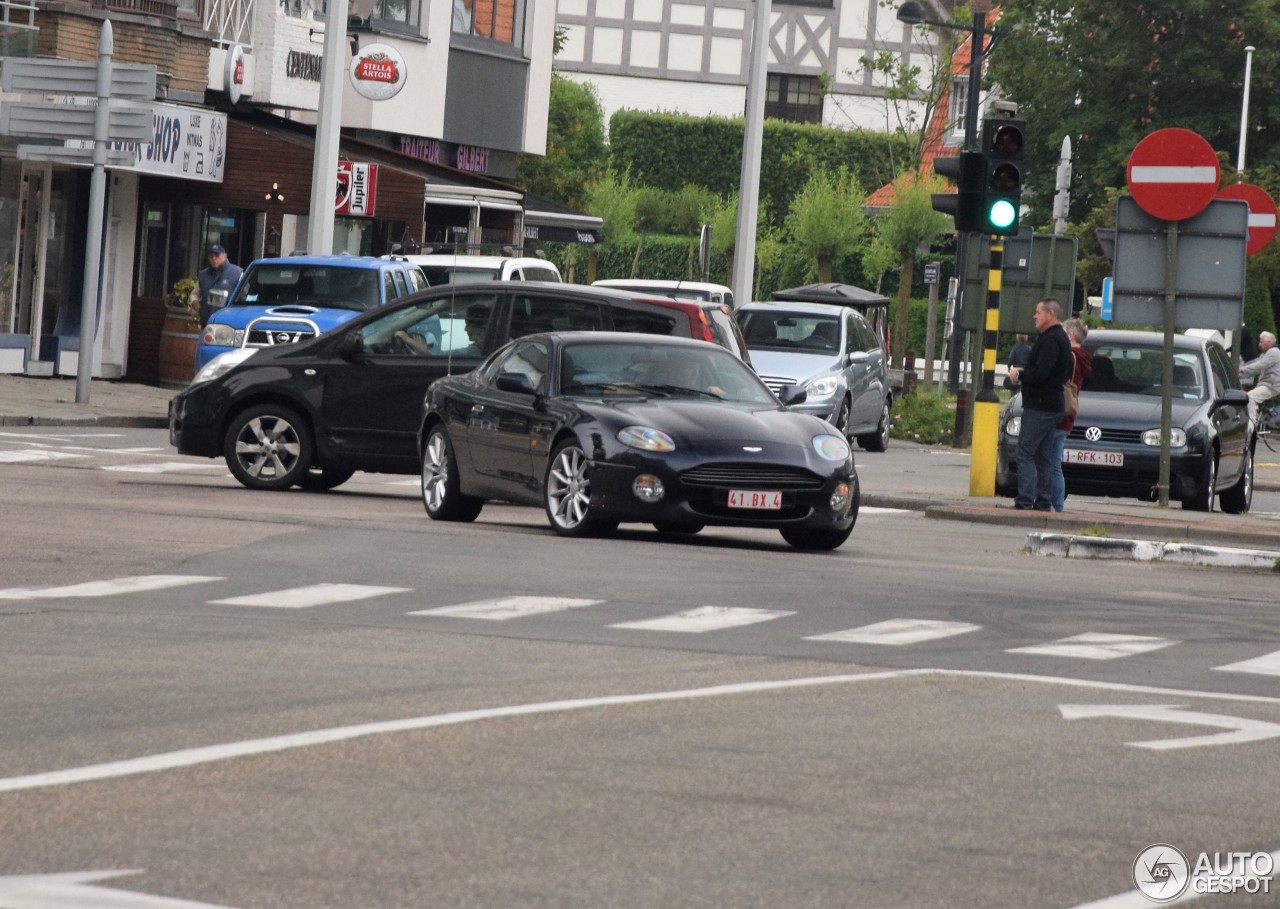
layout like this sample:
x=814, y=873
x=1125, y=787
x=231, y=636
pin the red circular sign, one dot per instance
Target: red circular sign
x=1173, y=174
x=1262, y=213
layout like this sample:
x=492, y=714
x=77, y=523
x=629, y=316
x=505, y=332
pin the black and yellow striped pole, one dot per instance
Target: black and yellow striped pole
x=986, y=408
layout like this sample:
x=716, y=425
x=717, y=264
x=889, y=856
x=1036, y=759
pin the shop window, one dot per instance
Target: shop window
x=400, y=14
x=797, y=99
x=501, y=21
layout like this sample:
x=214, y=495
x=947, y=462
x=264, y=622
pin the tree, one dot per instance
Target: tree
x=825, y=219
x=1107, y=73
x=613, y=200
x=576, y=149
x=907, y=225
x=690, y=209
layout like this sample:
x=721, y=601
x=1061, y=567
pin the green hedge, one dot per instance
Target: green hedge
x=670, y=150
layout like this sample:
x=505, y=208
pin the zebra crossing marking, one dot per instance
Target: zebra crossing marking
x=311, y=595
x=114, y=587
x=1263, y=665
x=1095, y=645
x=705, y=618
x=896, y=632
x=504, y=608
x=164, y=467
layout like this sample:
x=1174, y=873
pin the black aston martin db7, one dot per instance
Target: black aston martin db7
x=602, y=428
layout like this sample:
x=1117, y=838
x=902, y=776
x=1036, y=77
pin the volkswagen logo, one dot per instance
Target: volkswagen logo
x=1093, y=433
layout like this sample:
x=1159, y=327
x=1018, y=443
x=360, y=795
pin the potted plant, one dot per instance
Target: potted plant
x=180, y=333
x=184, y=300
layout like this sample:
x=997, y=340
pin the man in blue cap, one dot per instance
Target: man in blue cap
x=219, y=275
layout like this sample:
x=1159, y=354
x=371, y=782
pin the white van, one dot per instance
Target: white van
x=446, y=268
x=680, y=290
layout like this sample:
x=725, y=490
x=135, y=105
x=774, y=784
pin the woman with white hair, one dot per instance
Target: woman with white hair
x=1265, y=370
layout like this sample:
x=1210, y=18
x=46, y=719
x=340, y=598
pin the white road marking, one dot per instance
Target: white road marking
x=872, y=509
x=191, y=757
x=35, y=454
x=706, y=618
x=165, y=467
x=1263, y=665
x=1242, y=730
x=1097, y=646
x=75, y=890
x=896, y=632
x=114, y=587
x=500, y=610
x=26, y=436
x=311, y=595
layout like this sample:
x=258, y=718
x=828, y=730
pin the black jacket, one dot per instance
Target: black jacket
x=1048, y=367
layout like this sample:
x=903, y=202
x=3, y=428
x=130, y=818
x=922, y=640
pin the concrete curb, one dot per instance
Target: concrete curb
x=1070, y=546
x=132, y=421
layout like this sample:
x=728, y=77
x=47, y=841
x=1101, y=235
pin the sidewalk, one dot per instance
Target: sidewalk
x=887, y=481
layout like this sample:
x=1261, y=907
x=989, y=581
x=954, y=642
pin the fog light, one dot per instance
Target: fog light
x=840, y=498
x=648, y=488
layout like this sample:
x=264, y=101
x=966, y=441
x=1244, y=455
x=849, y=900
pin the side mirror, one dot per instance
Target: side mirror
x=351, y=346
x=516, y=383
x=859, y=356
x=793, y=394
x=1234, y=397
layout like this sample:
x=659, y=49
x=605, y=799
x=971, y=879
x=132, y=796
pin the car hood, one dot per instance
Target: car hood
x=790, y=364
x=1129, y=411
x=689, y=421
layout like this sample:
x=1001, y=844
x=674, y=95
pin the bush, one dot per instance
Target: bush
x=922, y=418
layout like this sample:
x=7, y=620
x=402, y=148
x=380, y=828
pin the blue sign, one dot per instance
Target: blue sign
x=1108, y=285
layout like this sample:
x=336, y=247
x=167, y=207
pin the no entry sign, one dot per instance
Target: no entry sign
x=1173, y=174
x=1262, y=213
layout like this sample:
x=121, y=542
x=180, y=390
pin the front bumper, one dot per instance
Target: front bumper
x=195, y=426
x=699, y=494
x=1137, y=478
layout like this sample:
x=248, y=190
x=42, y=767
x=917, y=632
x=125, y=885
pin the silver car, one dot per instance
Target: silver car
x=833, y=354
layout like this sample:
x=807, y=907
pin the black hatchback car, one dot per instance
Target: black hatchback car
x=310, y=414
x=1114, y=449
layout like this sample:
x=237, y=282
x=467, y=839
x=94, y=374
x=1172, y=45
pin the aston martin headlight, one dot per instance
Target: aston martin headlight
x=1177, y=437
x=820, y=388
x=831, y=448
x=216, y=335
x=223, y=362
x=1013, y=427
x=646, y=438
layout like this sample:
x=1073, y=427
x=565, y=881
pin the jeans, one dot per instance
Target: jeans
x=1035, y=459
x=1058, y=497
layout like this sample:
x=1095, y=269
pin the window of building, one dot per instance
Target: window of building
x=959, y=105
x=794, y=98
x=827, y=3
x=493, y=20
x=399, y=14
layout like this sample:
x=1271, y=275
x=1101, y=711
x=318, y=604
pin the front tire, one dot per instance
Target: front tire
x=268, y=447
x=878, y=440
x=567, y=494
x=816, y=540
x=320, y=479
x=1205, y=496
x=441, y=493
x=1239, y=498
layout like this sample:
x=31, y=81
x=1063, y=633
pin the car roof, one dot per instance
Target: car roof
x=641, y=284
x=584, y=291
x=1143, y=338
x=478, y=261
x=345, y=261
x=573, y=338
x=817, y=309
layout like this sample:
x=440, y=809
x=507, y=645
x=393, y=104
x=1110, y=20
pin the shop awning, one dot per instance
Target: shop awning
x=551, y=222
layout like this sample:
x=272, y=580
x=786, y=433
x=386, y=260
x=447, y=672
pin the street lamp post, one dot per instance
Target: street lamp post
x=912, y=13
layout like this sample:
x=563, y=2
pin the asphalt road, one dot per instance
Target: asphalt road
x=333, y=701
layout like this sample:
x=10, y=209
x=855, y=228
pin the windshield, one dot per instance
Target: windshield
x=1137, y=369
x=322, y=286
x=794, y=331
x=704, y=371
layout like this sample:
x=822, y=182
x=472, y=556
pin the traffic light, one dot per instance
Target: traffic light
x=968, y=171
x=1003, y=140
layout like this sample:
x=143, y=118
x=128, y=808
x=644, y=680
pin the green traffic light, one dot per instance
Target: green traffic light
x=1002, y=214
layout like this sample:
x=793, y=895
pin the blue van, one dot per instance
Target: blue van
x=287, y=300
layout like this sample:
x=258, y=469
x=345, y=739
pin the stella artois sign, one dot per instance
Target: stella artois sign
x=378, y=72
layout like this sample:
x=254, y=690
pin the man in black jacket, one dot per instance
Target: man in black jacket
x=1048, y=368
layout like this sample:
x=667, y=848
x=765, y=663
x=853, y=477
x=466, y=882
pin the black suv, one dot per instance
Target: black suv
x=313, y=413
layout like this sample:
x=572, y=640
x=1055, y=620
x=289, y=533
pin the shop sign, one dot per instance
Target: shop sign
x=472, y=158
x=378, y=72
x=187, y=142
x=233, y=76
x=357, y=189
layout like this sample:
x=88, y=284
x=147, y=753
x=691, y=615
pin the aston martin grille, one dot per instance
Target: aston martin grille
x=764, y=476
